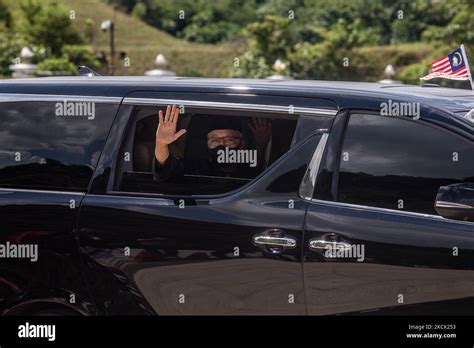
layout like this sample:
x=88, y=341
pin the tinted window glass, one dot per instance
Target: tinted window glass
x=49, y=145
x=396, y=163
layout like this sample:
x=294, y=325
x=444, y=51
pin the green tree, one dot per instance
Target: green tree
x=47, y=25
x=10, y=47
x=460, y=28
x=271, y=38
x=52, y=64
x=195, y=20
x=139, y=10
x=268, y=40
x=5, y=16
x=80, y=55
x=10, y=44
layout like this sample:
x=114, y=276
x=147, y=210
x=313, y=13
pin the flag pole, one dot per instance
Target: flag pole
x=467, y=65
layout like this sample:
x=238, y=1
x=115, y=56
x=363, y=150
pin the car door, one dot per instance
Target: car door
x=173, y=249
x=46, y=163
x=373, y=242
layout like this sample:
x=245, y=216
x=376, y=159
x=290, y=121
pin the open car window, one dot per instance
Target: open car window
x=136, y=173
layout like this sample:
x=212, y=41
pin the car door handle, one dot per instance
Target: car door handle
x=274, y=237
x=322, y=244
x=285, y=242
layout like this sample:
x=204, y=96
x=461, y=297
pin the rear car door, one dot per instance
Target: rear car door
x=205, y=245
x=47, y=158
x=373, y=241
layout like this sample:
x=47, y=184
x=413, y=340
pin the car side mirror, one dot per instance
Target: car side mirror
x=456, y=202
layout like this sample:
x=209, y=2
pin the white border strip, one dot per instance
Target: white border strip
x=11, y=97
x=231, y=106
x=5, y=190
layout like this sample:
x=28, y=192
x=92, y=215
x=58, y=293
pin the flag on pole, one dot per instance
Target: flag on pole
x=454, y=66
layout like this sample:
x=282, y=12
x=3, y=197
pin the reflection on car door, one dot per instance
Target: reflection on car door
x=391, y=260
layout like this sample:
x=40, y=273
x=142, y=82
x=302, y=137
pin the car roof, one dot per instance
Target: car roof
x=431, y=93
x=453, y=101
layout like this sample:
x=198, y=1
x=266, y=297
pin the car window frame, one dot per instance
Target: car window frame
x=21, y=98
x=336, y=165
x=135, y=103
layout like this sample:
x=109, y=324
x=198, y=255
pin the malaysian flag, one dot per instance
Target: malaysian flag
x=454, y=67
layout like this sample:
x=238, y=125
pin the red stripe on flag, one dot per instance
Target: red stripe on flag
x=442, y=66
x=437, y=60
x=441, y=62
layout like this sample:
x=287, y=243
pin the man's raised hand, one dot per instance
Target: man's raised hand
x=166, y=132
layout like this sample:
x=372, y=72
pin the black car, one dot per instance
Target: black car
x=363, y=201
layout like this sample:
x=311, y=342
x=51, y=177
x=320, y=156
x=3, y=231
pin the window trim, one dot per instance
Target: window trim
x=19, y=97
x=136, y=102
x=197, y=104
x=244, y=107
x=389, y=211
x=6, y=190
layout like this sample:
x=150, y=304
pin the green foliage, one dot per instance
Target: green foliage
x=5, y=16
x=47, y=25
x=10, y=47
x=89, y=32
x=80, y=55
x=315, y=61
x=139, y=10
x=57, y=65
x=270, y=38
x=251, y=66
x=192, y=73
x=460, y=29
x=9, y=43
x=195, y=20
x=370, y=62
x=411, y=74
x=314, y=37
x=210, y=32
x=274, y=38
x=45, y=28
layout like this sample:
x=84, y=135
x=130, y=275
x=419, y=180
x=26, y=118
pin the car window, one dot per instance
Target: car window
x=208, y=162
x=51, y=145
x=395, y=163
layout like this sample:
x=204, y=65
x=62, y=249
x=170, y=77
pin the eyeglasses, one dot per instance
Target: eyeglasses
x=226, y=141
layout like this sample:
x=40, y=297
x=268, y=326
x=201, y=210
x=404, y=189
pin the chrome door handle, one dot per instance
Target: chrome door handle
x=321, y=244
x=274, y=240
x=285, y=242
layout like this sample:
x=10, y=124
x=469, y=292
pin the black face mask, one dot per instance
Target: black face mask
x=214, y=155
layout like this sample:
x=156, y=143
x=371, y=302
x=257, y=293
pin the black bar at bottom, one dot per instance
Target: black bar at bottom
x=411, y=330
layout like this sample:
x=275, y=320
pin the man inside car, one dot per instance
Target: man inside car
x=222, y=134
